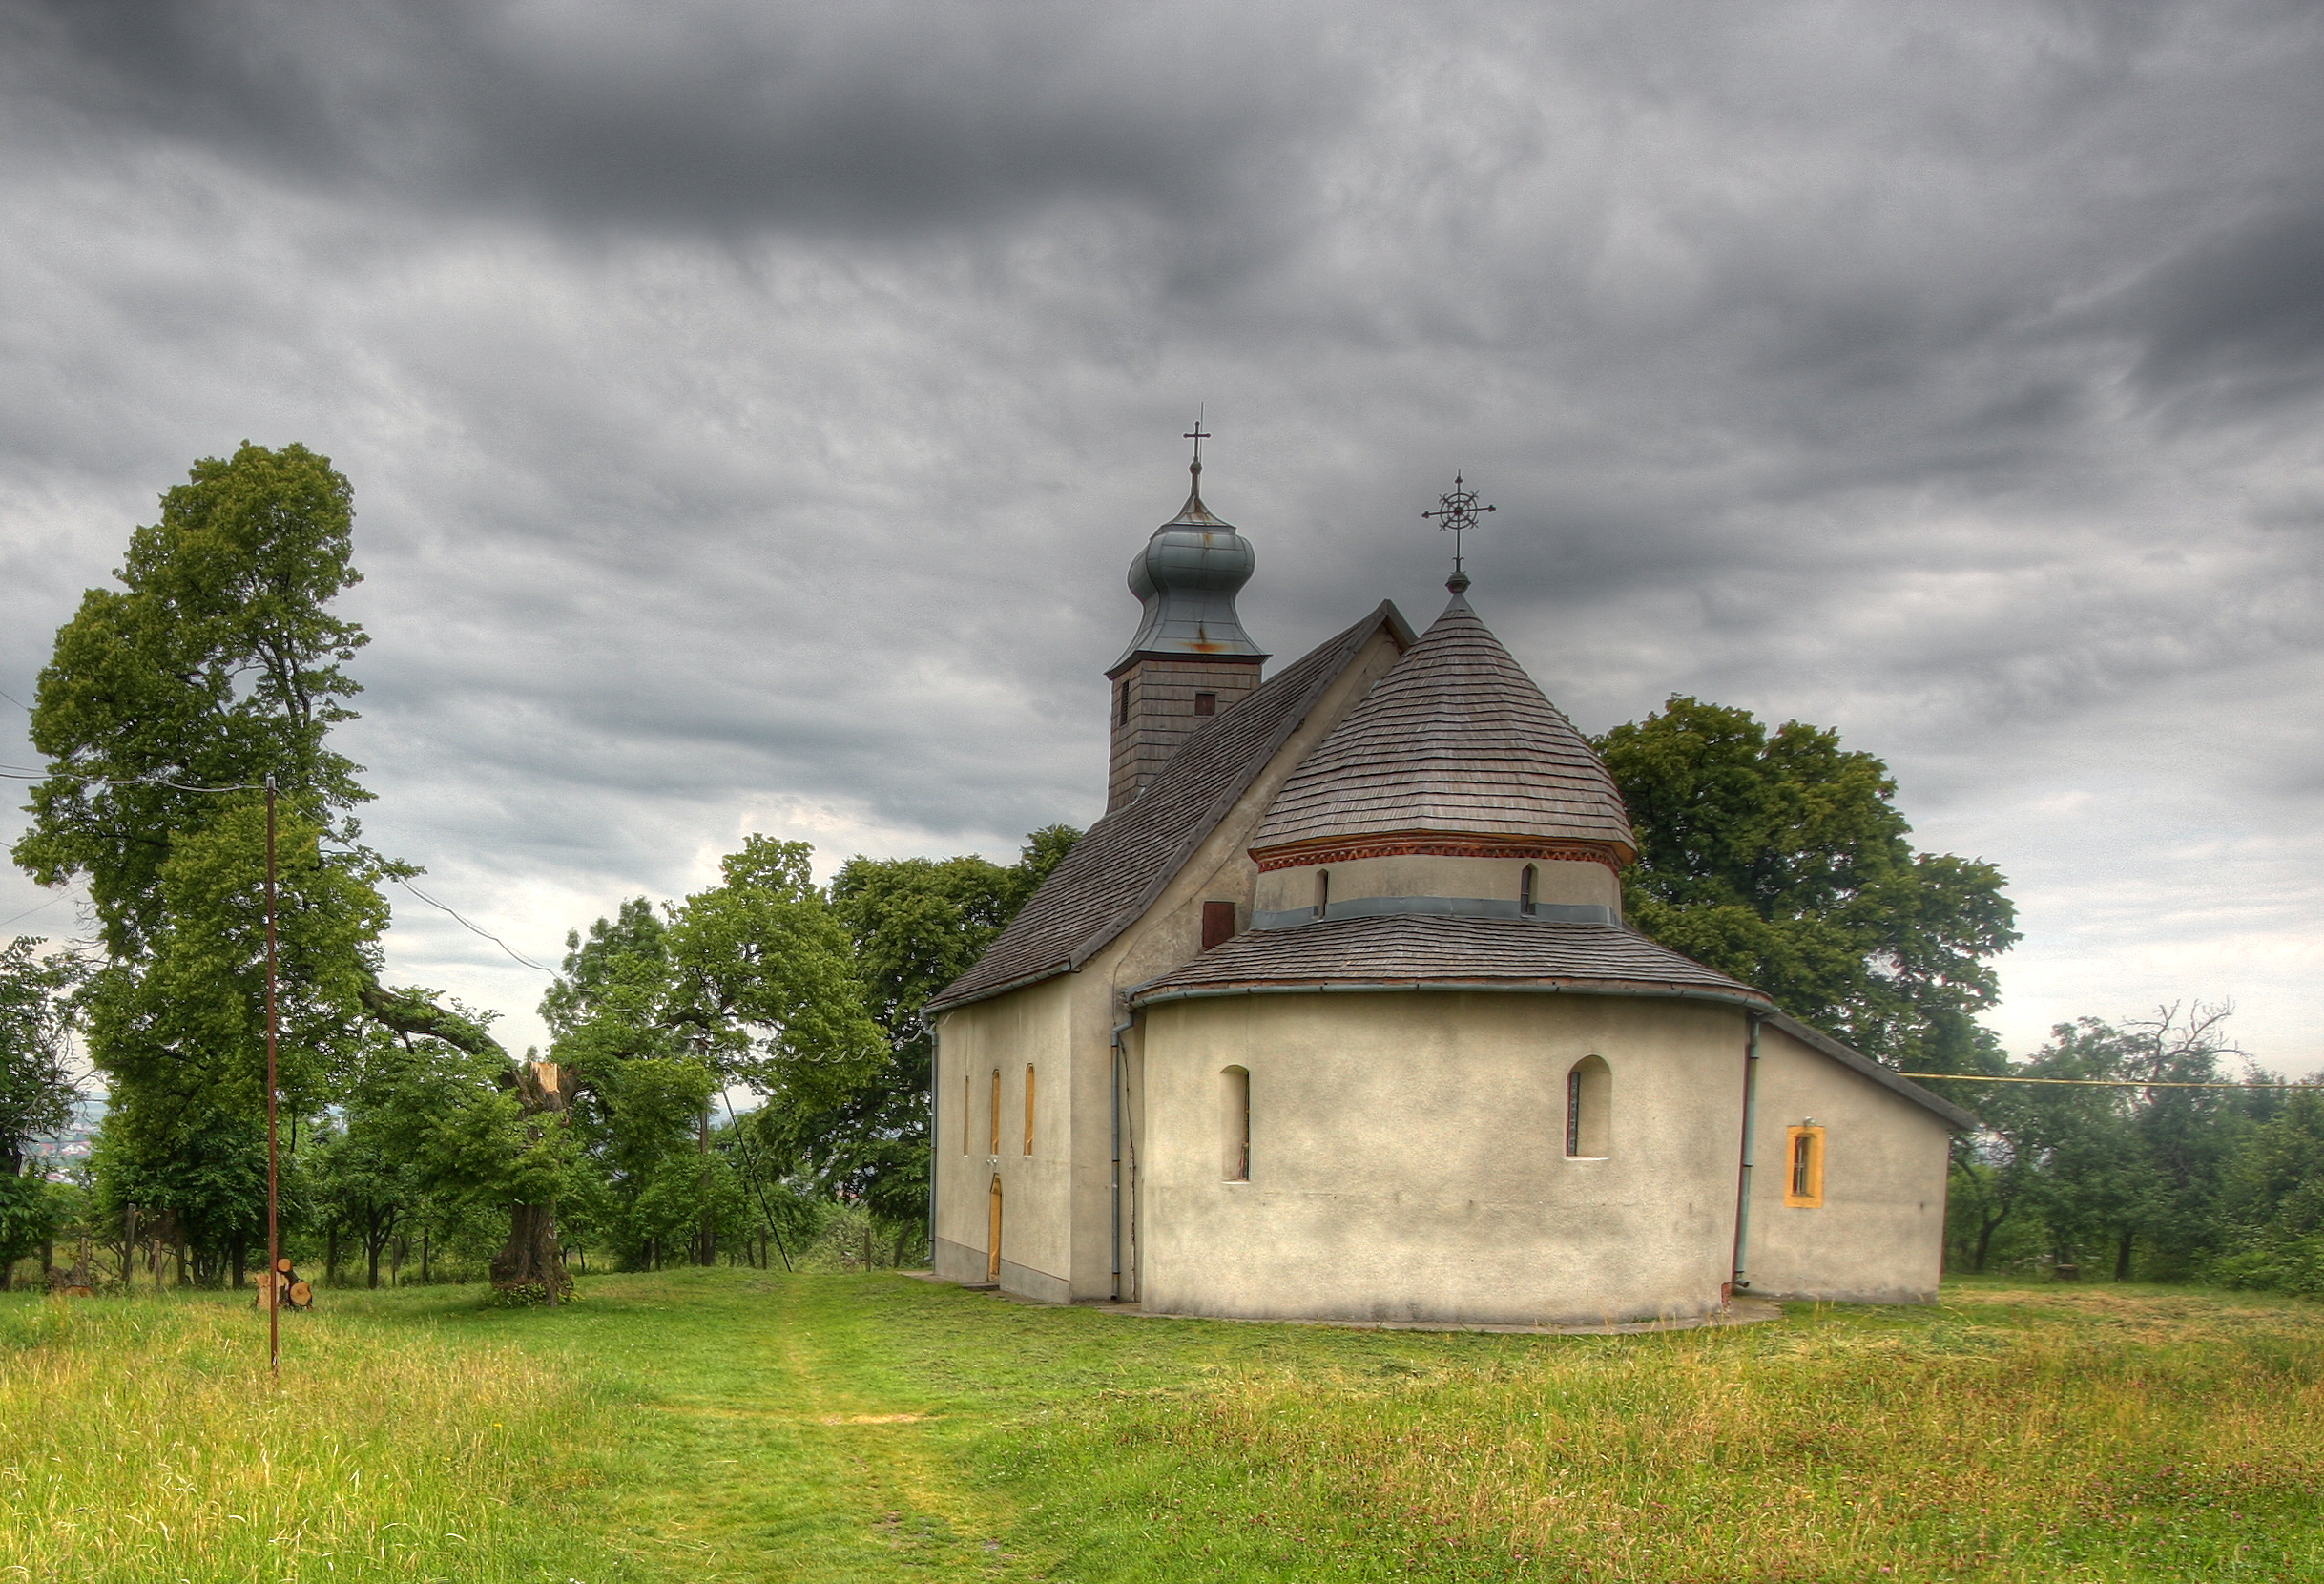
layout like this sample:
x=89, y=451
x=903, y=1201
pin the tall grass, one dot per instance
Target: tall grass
x=2081, y=1450
x=142, y=1439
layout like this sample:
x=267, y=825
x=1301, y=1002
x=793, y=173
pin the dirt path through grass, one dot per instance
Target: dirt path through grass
x=754, y=1446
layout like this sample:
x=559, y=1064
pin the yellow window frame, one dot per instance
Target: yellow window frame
x=1803, y=1179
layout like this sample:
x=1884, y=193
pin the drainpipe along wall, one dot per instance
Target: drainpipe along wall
x=1740, y=1280
x=1121, y=1075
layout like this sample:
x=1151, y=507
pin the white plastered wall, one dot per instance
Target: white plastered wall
x=1408, y=1158
x=1561, y=880
x=1878, y=1235
x=1031, y=1025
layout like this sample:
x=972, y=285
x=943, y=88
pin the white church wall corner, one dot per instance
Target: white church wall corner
x=1877, y=1237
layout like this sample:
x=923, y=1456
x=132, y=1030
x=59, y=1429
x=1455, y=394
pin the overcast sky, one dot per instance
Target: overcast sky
x=752, y=407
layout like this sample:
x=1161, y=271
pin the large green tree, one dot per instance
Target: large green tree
x=1781, y=858
x=2272, y=1202
x=752, y=983
x=811, y=999
x=2106, y=1160
x=434, y=1120
x=917, y=925
x=37, y=1088
x=215, y=663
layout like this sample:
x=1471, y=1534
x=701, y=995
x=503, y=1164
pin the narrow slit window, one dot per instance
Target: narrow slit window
x=1525, y=890
x=1217, y=924
x=1121, y=704
x=1589, y=1104
x=1803, y=1187
x=1028, y=1108
x=1324, y=892
x=968, y=1114
x=1235, y=1123
x=1206, y=704
x=996, y=1113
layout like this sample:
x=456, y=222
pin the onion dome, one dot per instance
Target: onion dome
x=1454, y=743
x=1187, y=578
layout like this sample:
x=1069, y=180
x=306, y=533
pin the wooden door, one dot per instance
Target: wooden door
x=992, y=1237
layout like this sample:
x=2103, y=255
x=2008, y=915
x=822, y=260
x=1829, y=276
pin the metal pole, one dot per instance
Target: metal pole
x=273, y=1189
x=1739, y=1279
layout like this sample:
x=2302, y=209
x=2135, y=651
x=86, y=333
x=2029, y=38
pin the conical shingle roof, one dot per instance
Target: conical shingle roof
x=1455, y=740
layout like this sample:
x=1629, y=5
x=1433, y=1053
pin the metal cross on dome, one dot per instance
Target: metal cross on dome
x=1457, y=513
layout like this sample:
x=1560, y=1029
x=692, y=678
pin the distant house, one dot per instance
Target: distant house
x=1334, y=1015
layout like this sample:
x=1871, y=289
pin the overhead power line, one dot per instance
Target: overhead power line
x=17, y=772
x=486, y=933
x=2105, y=1083
x=37, y=908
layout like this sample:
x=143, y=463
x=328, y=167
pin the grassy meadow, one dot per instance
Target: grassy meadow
x=732, y=1424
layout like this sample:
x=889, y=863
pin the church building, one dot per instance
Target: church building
x=1333, y=1016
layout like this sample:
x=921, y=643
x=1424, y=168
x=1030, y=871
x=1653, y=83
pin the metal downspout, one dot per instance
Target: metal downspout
x=1121, y=1060
x=1740, y=1280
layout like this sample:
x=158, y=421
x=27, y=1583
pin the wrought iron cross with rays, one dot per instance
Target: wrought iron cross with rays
x=1457, y=513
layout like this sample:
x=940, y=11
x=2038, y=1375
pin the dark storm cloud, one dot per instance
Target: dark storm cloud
x=871, y=115
x=2239, y=315
x=752, y=407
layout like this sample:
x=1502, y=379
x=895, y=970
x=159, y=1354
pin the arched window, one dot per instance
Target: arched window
x=1589, y=1110
x=1525, y=890
x=996, y=1113
x=1803, y=1185
x=1028, y=1108
x=1235, y=1124
x=1324, y=892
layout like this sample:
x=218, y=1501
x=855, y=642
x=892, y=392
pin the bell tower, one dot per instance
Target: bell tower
x=1191, y=658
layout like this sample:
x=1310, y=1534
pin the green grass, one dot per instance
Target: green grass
x=713, y=1426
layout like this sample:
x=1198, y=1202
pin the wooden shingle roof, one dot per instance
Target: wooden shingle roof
x=1456, y=739
x=1403, y=950
x=1114, y=874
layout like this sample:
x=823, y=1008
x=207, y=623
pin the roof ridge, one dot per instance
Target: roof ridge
x=1076, y=914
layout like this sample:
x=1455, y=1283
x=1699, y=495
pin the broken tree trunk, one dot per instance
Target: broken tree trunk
x=532, y=1259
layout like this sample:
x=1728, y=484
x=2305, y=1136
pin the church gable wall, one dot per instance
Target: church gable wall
x=1877, y=1174
x=1408, y=1158
x=1030, y=1027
